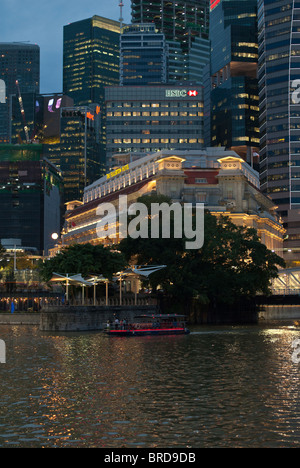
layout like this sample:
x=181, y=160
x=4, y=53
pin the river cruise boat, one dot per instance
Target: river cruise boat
x=150, y=325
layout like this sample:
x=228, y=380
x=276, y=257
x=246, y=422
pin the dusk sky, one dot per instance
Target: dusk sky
x=41, y=22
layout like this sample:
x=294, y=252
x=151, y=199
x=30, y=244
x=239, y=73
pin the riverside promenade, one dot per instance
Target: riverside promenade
x=58, y=317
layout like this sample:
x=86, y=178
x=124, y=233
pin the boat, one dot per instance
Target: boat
x=150, y=325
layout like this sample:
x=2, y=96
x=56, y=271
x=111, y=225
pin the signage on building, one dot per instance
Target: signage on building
x=181, y=93
x=90, y=116
x=117, y=172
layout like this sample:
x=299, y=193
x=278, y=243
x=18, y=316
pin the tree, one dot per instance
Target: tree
x=23, y=262
x=3, y=256
x=85, y=259
x=232, y=263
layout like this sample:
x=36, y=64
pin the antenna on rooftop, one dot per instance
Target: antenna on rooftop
x=121, y=5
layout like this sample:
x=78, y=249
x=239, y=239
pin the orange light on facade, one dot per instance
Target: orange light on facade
x=90, y=116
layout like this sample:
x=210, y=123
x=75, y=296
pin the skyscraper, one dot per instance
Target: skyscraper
x=185, y=24
x=145, y=119
x=279, y=74
x=18, y=62
x=233, y=102
x=144, y=56
x=30, y=196
x=91, y=61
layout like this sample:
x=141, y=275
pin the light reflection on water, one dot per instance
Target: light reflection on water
x=218, y=387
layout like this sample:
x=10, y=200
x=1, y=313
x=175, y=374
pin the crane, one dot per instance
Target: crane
x=26, y=129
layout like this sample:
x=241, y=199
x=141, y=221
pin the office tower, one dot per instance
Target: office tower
x=232, y=103
x=279, y=73
x=30, y=197
x=143, y=56
x=91, y=61
x=78, y=153
x=185, y=24
x=18, y=62
x=146, y=119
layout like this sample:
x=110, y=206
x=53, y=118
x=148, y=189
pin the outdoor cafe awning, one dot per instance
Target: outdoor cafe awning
x=137, y=270
x=73, y=279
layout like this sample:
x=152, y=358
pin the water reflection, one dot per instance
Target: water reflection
x=218, y=387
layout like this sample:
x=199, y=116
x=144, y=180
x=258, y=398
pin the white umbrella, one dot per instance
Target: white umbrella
x=68, y=279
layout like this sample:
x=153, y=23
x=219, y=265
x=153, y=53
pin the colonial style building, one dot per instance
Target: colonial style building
x=220, y=179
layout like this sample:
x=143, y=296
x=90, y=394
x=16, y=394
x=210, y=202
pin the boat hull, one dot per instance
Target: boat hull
x=148, y=332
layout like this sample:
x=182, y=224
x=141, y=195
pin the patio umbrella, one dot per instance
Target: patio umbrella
x=137, y=270
x=94, y=280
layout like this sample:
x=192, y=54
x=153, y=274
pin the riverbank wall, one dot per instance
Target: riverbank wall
x=89, y=318
x=270, y=313
x=20, y=319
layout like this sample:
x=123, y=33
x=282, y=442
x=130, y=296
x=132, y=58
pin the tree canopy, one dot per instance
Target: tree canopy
x=232, y=263
x=85, y=259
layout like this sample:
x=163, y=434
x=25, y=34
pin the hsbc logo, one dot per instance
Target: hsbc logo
x=181, y=93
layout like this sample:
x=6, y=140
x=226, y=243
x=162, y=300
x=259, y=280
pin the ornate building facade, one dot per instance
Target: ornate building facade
x=219, y=179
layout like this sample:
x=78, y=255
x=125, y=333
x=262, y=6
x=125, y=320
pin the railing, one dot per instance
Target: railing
x=286, y=292
x=111, y=302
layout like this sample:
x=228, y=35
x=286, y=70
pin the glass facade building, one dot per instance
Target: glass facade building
x=78, y=154
x=185, y=24
x=30, y=196
x=91, y=61
x=18, y=61
x=232, y=101
x=146, y=119
x=279, y=80
x=144, y=56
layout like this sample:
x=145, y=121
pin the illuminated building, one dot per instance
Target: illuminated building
x=279, y=72
x=78, y=154
x=18, y=61
x=91, y=61
x=42, y=117
x=144, y=119
x=231, y=97
x=185, y=24
x=30, y=196
x=220, y=179
x=144, y=56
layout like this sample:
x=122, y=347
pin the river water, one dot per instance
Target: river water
x=217, y=387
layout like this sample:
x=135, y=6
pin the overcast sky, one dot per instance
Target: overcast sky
x=41, y=22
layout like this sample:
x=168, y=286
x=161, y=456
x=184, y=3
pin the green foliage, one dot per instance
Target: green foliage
x=232, y=263
x=3, y=256
x=86, y=259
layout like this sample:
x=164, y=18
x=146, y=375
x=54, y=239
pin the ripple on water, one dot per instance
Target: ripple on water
x=226, y=387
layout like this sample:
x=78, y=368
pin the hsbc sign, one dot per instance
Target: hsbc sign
x=193, y=93
x=181, y=93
